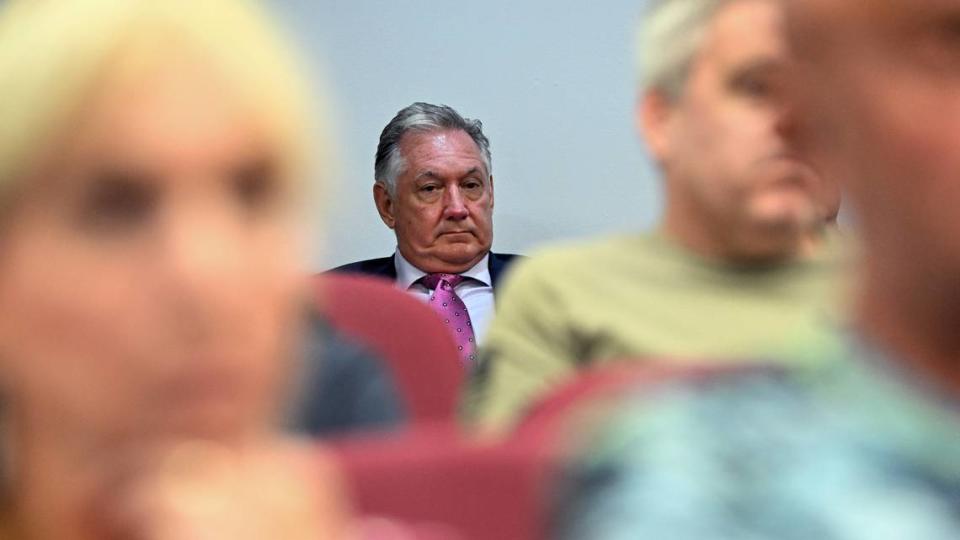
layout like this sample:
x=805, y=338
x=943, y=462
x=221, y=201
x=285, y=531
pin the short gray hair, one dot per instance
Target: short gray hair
x=668, y=41
x=423, y=118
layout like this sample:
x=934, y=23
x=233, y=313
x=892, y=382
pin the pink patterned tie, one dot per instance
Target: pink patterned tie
x=453, y=311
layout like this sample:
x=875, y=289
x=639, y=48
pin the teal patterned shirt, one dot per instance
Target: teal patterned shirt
x=857, y=449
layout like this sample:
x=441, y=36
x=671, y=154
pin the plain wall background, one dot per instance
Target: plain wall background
x=552, y=81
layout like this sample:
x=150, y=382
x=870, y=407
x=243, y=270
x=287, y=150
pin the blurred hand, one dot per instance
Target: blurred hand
x=203, y=491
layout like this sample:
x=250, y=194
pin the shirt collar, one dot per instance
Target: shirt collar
x=408, y=274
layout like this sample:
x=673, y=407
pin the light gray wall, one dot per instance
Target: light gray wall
x=552, y=81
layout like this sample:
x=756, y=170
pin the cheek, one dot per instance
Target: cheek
x=276, y=293
x=482, y=213
x=716, y=151
x=253, y=310
x=899, y=155
x=418, y=224
x=908, y=138
x=70, y=324
x=91, y=333
x=908, y=194
x=277, y=321
x=919, y=168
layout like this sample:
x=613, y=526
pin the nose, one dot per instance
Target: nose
x=201, y=263
x=786, y=122
x=454, y=205
x=797, y=130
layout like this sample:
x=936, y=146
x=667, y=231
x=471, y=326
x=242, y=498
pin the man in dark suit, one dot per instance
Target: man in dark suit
x=434, y=188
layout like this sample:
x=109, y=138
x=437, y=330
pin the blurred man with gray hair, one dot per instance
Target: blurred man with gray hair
x=739, y=264
x=434, y=187
x=864, y=448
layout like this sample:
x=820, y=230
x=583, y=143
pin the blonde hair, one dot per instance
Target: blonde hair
x=53, y=53
x=669, y=38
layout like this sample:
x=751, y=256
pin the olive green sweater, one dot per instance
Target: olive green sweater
x=640, y=298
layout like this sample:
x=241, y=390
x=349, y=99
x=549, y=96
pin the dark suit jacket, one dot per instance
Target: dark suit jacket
x=386, y=268
x=344, y=387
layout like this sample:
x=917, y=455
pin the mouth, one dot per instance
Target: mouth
x=203, y=403
x=789, y=170
x=204, y=387
x=208, y=377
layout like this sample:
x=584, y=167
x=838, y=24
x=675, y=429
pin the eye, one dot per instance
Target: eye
x=116, y=201
x=948, y=29
x=255, y=183
x=939, y=44
x=752, y=86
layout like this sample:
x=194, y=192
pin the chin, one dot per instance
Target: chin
x=457, y=265
x=782, y=224
x=460, y=253
x=785, y=214
x=227, y=431
x=211, y=417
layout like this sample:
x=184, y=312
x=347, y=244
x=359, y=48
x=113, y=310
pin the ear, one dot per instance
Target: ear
x=384, y=204
x=653, y=117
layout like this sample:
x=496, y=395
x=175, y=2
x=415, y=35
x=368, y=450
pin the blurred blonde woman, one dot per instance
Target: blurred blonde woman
x=152, y=157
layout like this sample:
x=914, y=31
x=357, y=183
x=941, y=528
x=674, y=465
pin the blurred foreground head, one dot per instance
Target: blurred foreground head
x=879, y=84
x=152, y=155
x=713, y=115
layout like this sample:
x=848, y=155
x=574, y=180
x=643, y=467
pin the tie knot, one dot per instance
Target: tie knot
x=435, y=281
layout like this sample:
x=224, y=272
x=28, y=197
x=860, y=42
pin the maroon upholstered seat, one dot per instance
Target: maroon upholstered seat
x=437, y=484
x=549, y=416
x=406, y=333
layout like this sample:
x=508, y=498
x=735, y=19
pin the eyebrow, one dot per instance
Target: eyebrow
x=471, y=172
x=758, y=65
x=431, y=174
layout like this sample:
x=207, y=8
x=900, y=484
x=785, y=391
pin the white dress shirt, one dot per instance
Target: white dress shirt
x=476, y=293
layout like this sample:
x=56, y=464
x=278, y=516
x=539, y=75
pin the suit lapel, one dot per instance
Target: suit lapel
x=496, y=264
x=389, y=268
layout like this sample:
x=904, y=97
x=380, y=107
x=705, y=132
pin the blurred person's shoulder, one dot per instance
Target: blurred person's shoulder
x=652, y=258
x=592, y=259
x=697, y=413
x=806, y=451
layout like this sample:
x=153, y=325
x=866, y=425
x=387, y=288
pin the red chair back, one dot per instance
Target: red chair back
x=437, y=485
x=441, y=485
x=406, y=333
x=545, y=420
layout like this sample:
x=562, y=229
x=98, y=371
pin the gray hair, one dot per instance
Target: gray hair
x=669, y=38
x=423, y=118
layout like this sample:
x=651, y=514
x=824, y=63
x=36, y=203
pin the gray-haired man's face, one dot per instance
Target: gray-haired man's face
x=725, y=143
x=442, y=208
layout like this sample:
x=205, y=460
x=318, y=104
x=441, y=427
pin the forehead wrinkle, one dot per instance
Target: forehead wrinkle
x=725, y=39
x=429, y=173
